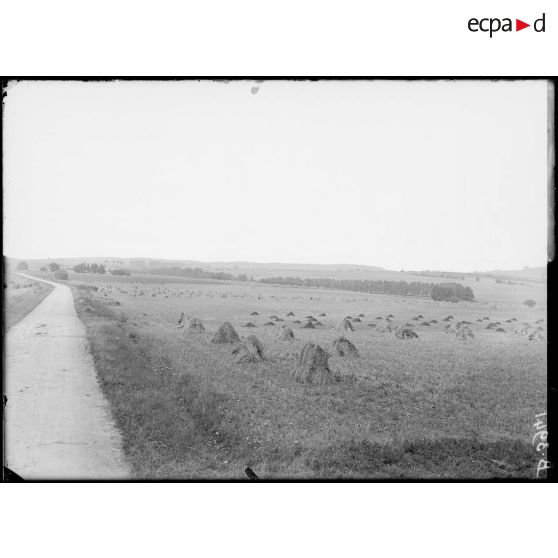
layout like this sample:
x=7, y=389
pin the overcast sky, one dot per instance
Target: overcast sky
x=413, y=175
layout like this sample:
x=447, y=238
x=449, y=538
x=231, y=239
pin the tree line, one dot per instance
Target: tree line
x=193, y=272
x=451, y=292
x=89, y=268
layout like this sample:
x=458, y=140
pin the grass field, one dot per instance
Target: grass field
x=431, y=407
x=21, y=295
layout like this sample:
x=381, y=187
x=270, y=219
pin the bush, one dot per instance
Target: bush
x=22, y=266
x=530, y=302
x=119, y=272
x=61, y=275
x=53, y=266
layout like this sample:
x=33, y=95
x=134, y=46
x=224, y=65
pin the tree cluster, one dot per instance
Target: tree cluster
x=89, y=268
x=451, y=292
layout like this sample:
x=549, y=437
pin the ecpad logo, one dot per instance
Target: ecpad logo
x=493, y=25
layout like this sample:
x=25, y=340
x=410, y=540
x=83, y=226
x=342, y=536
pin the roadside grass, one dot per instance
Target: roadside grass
x=21, y=295
x=432, y=407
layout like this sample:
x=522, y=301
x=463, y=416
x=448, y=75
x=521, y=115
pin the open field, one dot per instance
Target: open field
x=430, y=407
x=21, y=295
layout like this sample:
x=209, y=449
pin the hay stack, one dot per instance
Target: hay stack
x=425, y=324
x=536, y=336
x=540, y=321
x=433, y=321
x=500, y=330
x=226, y=334
x=322, y=314
x=362, y=315
x=249, y=350
x=249, y=324
x=269, y=324
x=254, y=314
x=343, y=347
x=286, y=334
x=309, y=325
x=195, y=326
x=356, y=320
x=390, y=315
x=296, y=322
x=465, y=333
x=405, y=333
x=522, y=329
x=345, y=325
x=312, y=366
x=448, y=318
x=290, y=314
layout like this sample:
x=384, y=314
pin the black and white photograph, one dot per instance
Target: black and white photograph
x=276, y=279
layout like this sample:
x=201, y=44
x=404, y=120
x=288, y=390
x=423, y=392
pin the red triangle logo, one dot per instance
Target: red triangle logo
x=519, y=25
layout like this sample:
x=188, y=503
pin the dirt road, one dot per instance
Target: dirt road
x=57, y=423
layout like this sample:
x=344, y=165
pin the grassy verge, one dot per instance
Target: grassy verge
x=186, y=412
x=21, y=295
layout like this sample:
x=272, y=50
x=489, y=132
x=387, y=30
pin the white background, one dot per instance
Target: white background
x=273, y=38
x=277, y=37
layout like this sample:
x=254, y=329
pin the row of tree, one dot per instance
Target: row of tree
x=89, y=268
x=195, y=272
x=451, y=292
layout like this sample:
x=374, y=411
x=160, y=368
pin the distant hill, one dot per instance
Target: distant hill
x=260, y=270
x=526, y=274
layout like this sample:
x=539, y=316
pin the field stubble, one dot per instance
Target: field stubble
x=430, y=407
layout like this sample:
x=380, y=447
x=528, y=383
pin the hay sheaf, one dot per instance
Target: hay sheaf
x=343, y=347
x=345, y=325
x=249, y=350
x=312, y=366
x=536, y=336
x=464, y=333
x=226, y=334
x=286, y=334
x=195, y=326
x=405, y=333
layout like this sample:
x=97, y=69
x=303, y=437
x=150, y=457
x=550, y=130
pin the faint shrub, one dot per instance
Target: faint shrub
x=61, y=275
